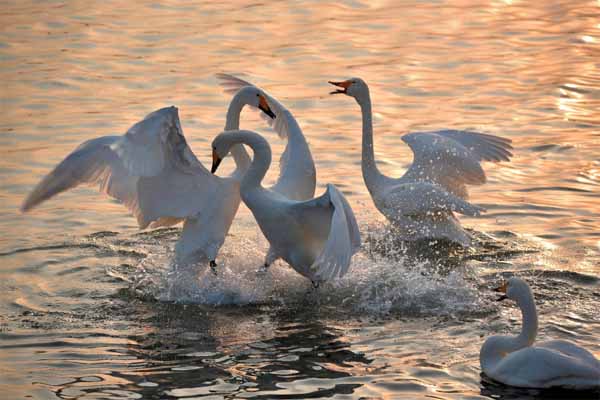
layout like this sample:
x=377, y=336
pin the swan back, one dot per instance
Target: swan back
x=539, y=367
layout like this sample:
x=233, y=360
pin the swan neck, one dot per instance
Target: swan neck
x=260, y=162
x=369, y=168
x=497, y=347
x=530, y=320
x=232, y=122
x=232, y=119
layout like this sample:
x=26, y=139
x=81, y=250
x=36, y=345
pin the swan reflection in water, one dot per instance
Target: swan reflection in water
x=191, y=350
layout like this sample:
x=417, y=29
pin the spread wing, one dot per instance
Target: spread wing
x=418, y=198
x=91, y=162
x=151, y=169
x=453, y=158
x=342, y=238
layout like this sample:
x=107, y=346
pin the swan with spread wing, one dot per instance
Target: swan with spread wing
x=422, y=203
x=152, y=170
x=316, y=237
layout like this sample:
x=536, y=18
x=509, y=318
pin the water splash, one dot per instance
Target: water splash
x=386, y=277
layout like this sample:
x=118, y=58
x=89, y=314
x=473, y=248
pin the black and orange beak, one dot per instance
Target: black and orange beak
x=502, y=289
x=264, y=107
x=343, y=84
x=216, y=160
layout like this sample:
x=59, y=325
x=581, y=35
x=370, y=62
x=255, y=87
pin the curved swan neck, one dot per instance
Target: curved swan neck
x=260, y=162
x=529, y=329
x=232, y=122
x=232, y=119
x=371, y=174
x=497, y=347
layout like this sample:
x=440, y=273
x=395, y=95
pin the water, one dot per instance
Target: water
x=87, y=305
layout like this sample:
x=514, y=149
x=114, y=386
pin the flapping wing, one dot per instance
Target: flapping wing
x=156, y=144
x=284, y=120
x=343, y=237
x=92, y=162
x=418, y=198
x=151, y=169
x=453, y=158
x=483, y=146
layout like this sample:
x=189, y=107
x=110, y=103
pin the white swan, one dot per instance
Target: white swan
x=297, y=174
x=316, y=237
x=152, y=170
x=423, y=201
x=514, y=361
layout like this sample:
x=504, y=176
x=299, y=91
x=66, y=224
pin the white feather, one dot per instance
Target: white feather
x=152, y=170
x=316, y=237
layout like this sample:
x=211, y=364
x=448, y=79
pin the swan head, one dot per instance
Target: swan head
x=220, y=148
x=353, y=87
x=224, y=141
x=254, y=97
x=515, y=289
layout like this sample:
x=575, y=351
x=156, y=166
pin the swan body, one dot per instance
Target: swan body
x=316, y=237
x=152, y=170
x=423, y=202
x=297, y=174
x=515, y=361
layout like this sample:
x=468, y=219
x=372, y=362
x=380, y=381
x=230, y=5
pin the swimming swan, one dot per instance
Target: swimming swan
x=515, y=361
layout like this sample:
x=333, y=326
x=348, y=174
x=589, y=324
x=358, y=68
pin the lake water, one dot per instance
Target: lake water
x=82, y=309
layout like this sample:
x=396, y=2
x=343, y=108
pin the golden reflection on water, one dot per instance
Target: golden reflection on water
x=528, y=71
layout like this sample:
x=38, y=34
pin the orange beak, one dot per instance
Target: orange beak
x=502, y=289
x=264, y=107
x=344, y=85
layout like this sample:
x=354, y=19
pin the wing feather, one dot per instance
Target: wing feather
x=343, y=238
x=453, y=158
x=92, y=162
x=417, y=198
x=485, y=147
x=150, y=169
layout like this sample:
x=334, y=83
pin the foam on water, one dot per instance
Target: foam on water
x=379, y=282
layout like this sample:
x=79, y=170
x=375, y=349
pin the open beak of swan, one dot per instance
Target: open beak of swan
x=216, y=160
x=502, y=289
x=344, y=87
x=264, y=107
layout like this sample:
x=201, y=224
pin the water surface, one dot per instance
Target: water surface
x=86, y=306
